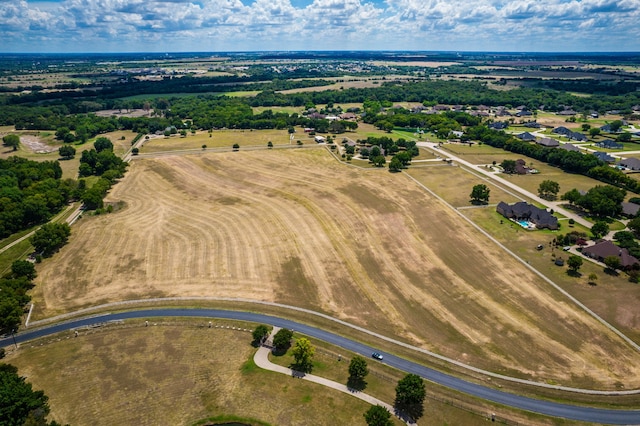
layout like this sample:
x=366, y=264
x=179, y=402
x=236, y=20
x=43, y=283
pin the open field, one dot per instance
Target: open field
x=224, y=139
x=367, y=246
x=177, y=374
x=125, y=366
x=42, y=146
x=485, y=154
x=454, y=184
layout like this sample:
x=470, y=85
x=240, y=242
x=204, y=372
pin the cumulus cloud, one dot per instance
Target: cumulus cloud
x=90, y=25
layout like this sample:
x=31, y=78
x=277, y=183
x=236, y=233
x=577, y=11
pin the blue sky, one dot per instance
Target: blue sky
x=248, y=25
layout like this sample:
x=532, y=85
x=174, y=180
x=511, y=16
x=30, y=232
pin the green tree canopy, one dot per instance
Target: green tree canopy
x=303, y=353
x=600, y=229
x=572, y=196
x=378, y=416
x=612, y=262
x=102, y=144
x=410, y=394
x=574, y=262
x=480, y=194
x=548, y=189
x=509, y=166
x=67, y=152
x=603, y=200
x=282, y=339
x=18, y=401
x=23, y=268
x=260, y=332
x=11, y=141
x=50, y=237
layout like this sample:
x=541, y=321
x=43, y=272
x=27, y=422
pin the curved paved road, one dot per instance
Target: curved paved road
x=588, y=414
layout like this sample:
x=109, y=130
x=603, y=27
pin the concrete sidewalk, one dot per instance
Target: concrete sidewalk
x=261, y=358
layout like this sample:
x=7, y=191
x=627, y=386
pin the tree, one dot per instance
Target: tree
x=260, y=333
x=615, y=125
x=379, y=161
x=395, y=165
x=574, y=263
x=11, y=141
x=634, y=226
x=236, y=146
x=548, y=189
x=135, y=151
x=67, y=152
x=612, y=262
x=509, y=166
x=410, y=394
x=624, y=137
x=102, y=144
x=282, y=339
x=50, y=237
x=269, y=144
x=23, y=268
x=480, y=194
x=19, y=403
x=593, y=278
x=586, y=127
x=358, y=370
x=603, y=200
x=377, y=415
x=303, y=355
x=600, y=229
x=594, y=131
x=572, y=196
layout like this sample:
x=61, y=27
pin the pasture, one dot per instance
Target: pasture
x=366, y=246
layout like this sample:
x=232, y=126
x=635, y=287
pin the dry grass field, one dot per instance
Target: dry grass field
x=177, y=375
x=366, y=246
x=223, y=139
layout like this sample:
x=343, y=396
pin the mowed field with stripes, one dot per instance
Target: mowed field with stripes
x=367, y=246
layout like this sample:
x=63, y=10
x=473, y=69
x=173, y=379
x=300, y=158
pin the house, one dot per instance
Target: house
x=521, y=167
x=603, y=156
x=548, y=142
x=569, y=147
x=320, y=139
x=606, y=128
x=609, y=144
x=630, y=163
x=532, y=125
x=457, y=133
x=605, y=248
x=562, y=131
x=526, y=136
x=525, y=211
x=577, y=136
x=630, y=209
x=498, y=125
x=568, y=111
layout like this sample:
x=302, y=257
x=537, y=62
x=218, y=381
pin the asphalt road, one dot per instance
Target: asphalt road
x=598, y=415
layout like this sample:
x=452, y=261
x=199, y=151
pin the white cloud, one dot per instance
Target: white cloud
x=93, y=25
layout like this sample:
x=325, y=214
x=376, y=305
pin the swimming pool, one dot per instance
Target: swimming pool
x=525, y=224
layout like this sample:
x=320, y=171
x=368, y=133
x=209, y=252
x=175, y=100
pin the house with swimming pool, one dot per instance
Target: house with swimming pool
x=527, y=215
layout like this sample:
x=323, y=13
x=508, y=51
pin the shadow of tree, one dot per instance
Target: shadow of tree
x=356, y=384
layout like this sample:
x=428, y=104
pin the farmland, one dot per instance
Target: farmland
x=367, y=246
